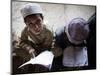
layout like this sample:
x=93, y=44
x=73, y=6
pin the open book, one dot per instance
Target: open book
x=45, y=58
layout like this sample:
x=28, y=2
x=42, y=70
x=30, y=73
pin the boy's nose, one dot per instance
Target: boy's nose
x=36, y=26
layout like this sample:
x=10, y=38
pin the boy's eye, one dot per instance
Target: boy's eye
x=30, y=24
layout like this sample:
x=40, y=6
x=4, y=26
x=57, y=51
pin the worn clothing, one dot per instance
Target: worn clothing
x=41, y=42
x=38, y=42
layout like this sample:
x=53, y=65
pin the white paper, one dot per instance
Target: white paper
x=45, y=59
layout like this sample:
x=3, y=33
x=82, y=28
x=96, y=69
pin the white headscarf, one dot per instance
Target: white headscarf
x=77, y=25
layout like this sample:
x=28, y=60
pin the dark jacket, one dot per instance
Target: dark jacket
x=91, y=42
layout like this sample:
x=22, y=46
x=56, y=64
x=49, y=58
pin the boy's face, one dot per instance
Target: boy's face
x=34, y=23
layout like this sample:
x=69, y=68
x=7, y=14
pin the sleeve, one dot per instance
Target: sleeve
x=48, y=39
x=25, y=43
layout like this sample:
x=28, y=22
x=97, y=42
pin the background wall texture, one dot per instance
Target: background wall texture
x=55, y=15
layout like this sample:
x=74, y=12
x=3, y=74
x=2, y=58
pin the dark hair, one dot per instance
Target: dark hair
x=33, y=15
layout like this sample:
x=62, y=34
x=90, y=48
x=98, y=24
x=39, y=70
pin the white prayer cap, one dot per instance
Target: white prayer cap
x=77, y=30
x=31, y=8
